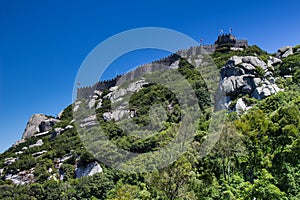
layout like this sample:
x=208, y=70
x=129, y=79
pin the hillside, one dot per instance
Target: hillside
x=255, y=94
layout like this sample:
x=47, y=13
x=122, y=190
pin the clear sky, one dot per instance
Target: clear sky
x=43, y=43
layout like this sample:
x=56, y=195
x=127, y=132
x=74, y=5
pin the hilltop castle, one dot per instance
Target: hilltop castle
x=228, y=40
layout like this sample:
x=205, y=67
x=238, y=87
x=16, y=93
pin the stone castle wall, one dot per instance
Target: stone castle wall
x=161, y=64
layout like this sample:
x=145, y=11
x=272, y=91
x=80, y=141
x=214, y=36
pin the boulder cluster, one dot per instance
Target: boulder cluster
x=246, y=75
x=117, y=96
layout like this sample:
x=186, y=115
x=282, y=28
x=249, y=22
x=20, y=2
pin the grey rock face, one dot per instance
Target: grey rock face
x=285, y=52
x=21, y=178
x=33, y=125
x=47, y=125
x=265, y=90
x=236, y=49
x=240, y=106
x=37, y=144
x=97, y=92
x=38, y=123
x=9, y=161
x=91, y=169
x=56, y=132
x=99, y=104
x=118, y=114
x=76, y=106
x=272, y=61
x=232, y=85
x=236, y=60
x=92, y=103
x=239, y=77
x=37, y=154
x=88, y=121
x=117, y=93
x=175, y=65
x=136, y=86
x=248, y=67
x=255, y=61
x=60, y=114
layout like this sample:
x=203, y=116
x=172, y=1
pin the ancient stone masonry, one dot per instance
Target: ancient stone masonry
x=162, y=64
x=226, y=39
x=85, y=92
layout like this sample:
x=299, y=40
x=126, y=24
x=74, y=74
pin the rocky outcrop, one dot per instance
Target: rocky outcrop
x=22, y=177
x=243, y=75
x=37, y=154
x=266, y=89
x=240, y=106
x=92, y=103
x=37, y=144
x=118, y=114
x=117, y=94
x=284, y=52
x=273, y=61
x=76, y=106
x=89, y=170
x=9, y=161
x=38, y=123
x=59, y=130
x=88, y=121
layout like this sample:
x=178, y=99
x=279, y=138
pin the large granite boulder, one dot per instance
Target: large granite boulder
x=38, y=123
x=234, y=85
x=255, y=61
x=89, y=170
x=265, y=90
x=285, y=52
x=240, y=106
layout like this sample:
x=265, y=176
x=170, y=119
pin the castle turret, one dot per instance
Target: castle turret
x=226, y=39
x=230, y=39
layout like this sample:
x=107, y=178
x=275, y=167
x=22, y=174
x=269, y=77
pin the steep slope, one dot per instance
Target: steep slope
x=256, y=156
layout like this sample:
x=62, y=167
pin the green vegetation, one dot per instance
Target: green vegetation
x=257, y=154
x=220, y=58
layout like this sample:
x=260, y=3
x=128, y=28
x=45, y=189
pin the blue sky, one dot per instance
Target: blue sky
x=43, y=43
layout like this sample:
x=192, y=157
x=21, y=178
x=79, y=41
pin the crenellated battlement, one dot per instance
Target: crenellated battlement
x=162, y=64
x=229, y=39
x=85, y=92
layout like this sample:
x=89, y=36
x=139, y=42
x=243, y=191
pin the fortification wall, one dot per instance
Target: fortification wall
x=161, y=64
x=241, y=43
x=197, y=50
x=158, y=65
x=85, y=92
